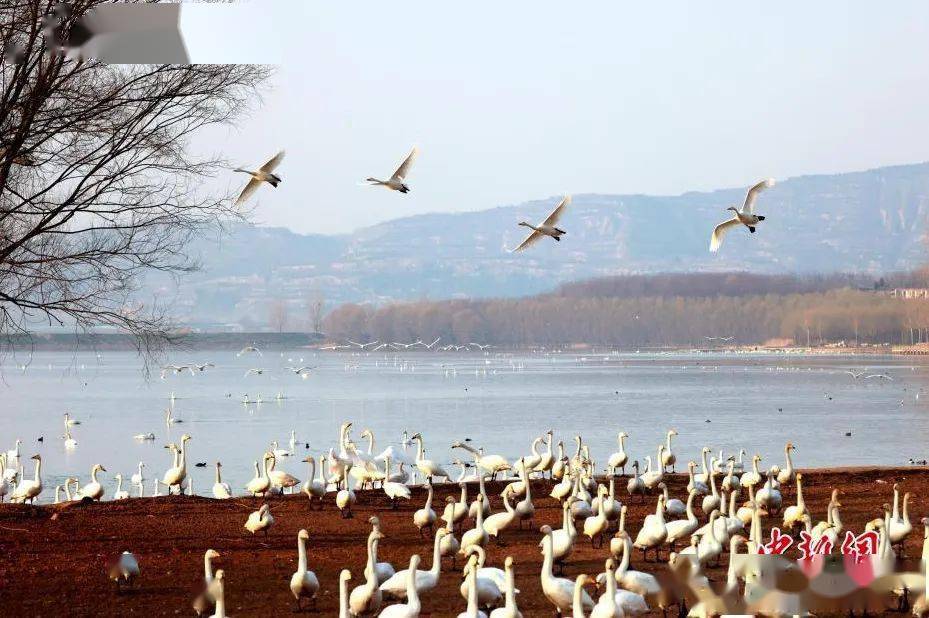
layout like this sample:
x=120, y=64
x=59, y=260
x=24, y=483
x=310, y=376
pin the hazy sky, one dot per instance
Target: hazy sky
x=517, y=100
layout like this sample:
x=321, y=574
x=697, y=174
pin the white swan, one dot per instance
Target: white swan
x=303, y=583
x=449, y=545
x=397, y=180
x=750, y=479
x=394, y=491
x=769, y=497
x=412, y=607
x=653, y=533
x=260, y=484
x=492, y=464
x=746, y=216
x=262, y=174
x=93, y=489
x=651, y=478
x=218, y=592
x=120, y=493
x=509, y=609
x=683, y=528
x=383, y=570
x=221, y=490
x=786, y=475
x=425, y=517
x=595, y=526
x=635, y=486
x=260, y=520
x=475, y=537
x=312, y=487
x=456, y=511
x=344, y=499
x=668, y=459
x=367, y=598
x=498, y=522
x=558, y=590
x=620, y=458
x=344, y=609
x=470, y=586
x=428, y=467
x=525, y=510
x=546, y=228
x=899, y=527
x=424, y=581
x=205, y=600
x=280, y=480
x=793, y=514
x=638, y=582
x=28, y=490
x=672, y=506
x=693, y=484
x=489, y=582
x=176, y=475
x=138, y=479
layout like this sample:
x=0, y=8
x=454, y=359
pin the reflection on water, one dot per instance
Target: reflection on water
x=500, y=401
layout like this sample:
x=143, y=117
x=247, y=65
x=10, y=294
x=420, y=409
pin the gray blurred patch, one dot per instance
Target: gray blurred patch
x=127, y=34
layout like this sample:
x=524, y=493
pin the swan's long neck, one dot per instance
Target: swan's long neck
x=428, y=498
x=322, y=473
x=372, y=559
x=800, y=503
x=624, y=561
x=301, y=554
x=511, y=588
x=906, y=504
x=896, y=512
x=67, y=489
x=622, y=444
x=472, y=591
x=312, y=468
x=220, y=597
x=790, y=463
x=419, y=448
x=577, y=455
x=207, y=568
x=611, y=583
x=219, y=478
x=343, y=598
x=547, y=550
x=713, y=483
x=412, y=595
x=612, y=487
x=266, y=468
x=436, y=557
x=93, y=474
x=119, y=484
x=648, y=464
x=183, y=463
x=528, y=484
x=690, y=506
x=703, y=458
x=38, y=472
x=731, y=575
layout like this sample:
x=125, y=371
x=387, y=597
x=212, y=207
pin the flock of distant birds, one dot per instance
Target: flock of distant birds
x=744, y=216
x=732, y=494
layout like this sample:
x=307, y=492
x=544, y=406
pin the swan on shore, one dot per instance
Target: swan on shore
x=260, y=520
x=412, y=607
x=124, y=571
x=746, y=216
x=27, y=490
x=303, y=583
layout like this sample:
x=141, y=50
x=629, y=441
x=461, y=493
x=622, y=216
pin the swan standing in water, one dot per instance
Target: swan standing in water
x=120, y=493
x=93, y=489
x=412, y=607
x=548, y=227
x=303, y=583
x=262, y=174
x=221, y=490
x=746, y=216
x=260, y=520
x=138, y=479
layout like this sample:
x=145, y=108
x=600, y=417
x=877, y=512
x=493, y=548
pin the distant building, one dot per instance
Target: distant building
x=909, y=293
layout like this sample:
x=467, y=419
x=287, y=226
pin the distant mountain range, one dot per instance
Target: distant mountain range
x=862, y=222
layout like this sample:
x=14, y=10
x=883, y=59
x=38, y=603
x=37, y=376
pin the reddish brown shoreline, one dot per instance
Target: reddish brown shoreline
x=53, y=559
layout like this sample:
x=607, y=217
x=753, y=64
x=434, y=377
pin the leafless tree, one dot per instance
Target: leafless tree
x=97, y=184
x=316, y=308
x=277, y=315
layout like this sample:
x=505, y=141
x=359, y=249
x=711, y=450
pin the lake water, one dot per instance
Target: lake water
x=500, y=401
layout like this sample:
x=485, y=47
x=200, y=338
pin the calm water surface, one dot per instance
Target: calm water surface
x=500, y=401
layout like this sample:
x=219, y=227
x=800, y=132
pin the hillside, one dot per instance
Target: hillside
x=866, y=222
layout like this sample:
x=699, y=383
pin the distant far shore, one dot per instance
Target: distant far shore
x=190, y=341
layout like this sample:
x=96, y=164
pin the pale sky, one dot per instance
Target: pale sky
x=518, y=100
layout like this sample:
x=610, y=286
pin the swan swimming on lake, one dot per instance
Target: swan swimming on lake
x=262, y=174
x=746, y=216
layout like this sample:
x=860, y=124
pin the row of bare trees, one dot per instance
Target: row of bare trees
x=845, y=314
x=97, y=184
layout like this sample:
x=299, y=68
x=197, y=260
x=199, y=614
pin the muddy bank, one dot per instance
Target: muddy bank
x=53, y=559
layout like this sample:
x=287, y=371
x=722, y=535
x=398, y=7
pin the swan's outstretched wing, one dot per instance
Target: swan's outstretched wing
x=752, y=195
x=248, y=191
x=719, y=231
x=273, y=163
x=530, y=240
x=401, y=172
x=553, y=218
